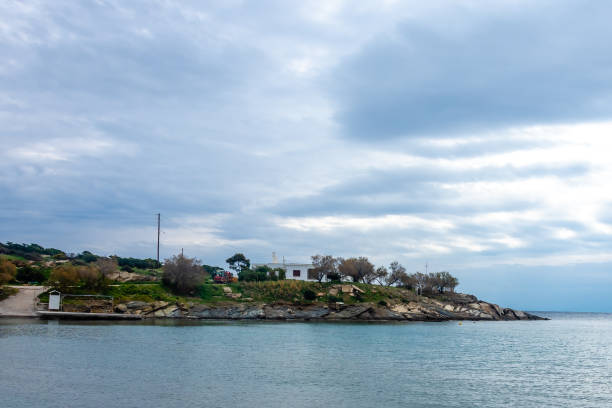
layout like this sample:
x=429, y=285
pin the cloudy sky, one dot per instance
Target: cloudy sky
x=473, y=136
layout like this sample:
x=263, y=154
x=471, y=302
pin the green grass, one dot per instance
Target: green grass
x=287, y=291
x=13, y=257
x=143, y=292
x=148, y=272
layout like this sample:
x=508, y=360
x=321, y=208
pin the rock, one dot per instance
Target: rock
x=314, y=312
x=278, y=312
x=357, y=289
x=520, y=315
x=175, y=313
x=449, y=308
x=333, y=291
x=159, y=304
x=159, y=313
x=320, y=294
x=136, y=304
x=347, y=288
x=240, y=311
x=381, y=313
x=400, y=308
x=227, y=289
x=121, y=308
x=351, y=312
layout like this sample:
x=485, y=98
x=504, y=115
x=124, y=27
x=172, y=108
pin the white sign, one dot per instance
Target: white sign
x=54, y=301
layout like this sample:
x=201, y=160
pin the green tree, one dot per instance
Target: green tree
x=238, y=262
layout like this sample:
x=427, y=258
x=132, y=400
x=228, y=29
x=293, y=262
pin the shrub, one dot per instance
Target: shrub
x=106, y=266
x=309, y=294
x=184, y=275
x=92, y=278
x=63, y=277
x=332, y=299
x=333, y=277
x=8, y=270
x=29, y=274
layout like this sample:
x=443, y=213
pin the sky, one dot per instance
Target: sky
x=470, y=136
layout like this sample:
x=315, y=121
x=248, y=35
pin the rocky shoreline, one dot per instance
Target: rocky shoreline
x=463, y=307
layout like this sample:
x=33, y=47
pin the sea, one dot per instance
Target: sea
x=562, y=362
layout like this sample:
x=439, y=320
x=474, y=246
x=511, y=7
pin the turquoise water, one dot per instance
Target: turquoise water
x=565, y=362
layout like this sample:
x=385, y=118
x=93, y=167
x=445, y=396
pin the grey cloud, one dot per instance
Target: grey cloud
x=475, y=70
x=417, y=190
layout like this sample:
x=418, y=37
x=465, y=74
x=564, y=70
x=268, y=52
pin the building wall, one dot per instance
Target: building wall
x=290, y=268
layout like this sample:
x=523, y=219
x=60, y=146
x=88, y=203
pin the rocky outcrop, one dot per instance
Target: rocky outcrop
x=427, y=309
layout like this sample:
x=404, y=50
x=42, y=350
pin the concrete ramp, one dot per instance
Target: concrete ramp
x=21, y=304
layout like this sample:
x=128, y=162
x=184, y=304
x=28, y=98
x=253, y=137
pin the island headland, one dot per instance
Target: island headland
x=90, y=286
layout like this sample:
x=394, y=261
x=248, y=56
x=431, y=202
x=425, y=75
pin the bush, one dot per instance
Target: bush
x=8, y=270
x=137, y=263
x=63, y=277
x=87, y=257
x=382, y=303
x=333, y=277
x=309, y=294
x=333, y=299
x=184, y=275
x=259, y=274
x=29, y=274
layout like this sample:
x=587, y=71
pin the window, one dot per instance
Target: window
x=312, y=274
x=296, y=273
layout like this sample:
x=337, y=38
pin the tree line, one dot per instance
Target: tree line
x=360, y=269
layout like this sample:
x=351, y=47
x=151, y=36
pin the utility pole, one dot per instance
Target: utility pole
x=158, y=223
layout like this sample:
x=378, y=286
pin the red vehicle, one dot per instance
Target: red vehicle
x=222, y=277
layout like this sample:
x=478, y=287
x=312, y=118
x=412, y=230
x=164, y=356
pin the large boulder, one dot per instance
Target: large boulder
x=351, y=312
x=241, y=311
x=136, y=304
x=121, y=308
x=311, y=312
x=381, y=313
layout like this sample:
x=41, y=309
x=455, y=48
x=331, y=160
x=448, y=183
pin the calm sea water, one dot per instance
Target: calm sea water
x=565, y=362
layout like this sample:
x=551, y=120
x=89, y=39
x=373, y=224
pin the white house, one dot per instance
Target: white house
x=297, y=271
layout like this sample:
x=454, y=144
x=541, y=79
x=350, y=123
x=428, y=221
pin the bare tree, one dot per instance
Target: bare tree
x=324, y=265
x=183, y=274
x=359, y=269
x=398, y=273
x=381, y=274
x=106, y=266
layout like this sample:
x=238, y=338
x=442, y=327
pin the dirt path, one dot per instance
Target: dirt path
x=22, y=303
